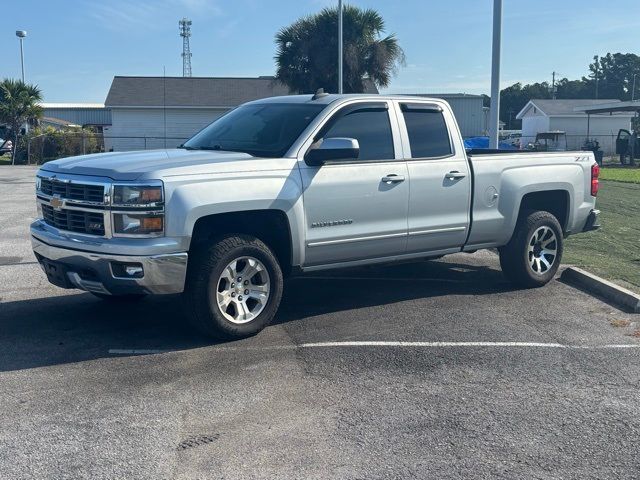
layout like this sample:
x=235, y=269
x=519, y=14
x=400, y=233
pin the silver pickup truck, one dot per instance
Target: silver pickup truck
x=298, y=184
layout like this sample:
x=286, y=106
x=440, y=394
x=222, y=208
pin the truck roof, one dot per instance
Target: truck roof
x=328, y=98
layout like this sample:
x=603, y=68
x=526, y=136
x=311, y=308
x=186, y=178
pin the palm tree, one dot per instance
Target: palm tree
x=18, y=105
x=307, y=51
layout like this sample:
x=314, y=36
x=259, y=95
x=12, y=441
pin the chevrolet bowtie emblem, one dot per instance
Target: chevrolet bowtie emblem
x=56, y=202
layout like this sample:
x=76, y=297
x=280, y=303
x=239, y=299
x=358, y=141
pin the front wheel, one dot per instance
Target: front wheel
x=234, y=287
x=532, y=256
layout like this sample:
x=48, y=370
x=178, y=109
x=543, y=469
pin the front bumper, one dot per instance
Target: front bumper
x=107, y=274
x=593, y=221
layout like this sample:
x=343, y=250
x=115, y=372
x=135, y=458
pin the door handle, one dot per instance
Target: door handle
x=454, y=175
x=392, y=178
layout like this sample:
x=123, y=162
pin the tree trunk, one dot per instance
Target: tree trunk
x=15, y=147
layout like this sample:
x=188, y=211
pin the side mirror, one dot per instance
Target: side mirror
x=333, y=149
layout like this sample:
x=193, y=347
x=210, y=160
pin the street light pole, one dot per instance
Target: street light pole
x=494, y=117
x=21, y=34
x=340, y=48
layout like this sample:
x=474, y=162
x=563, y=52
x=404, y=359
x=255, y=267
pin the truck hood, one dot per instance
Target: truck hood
x=156, y=164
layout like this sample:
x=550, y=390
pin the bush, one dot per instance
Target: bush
x=50, y=144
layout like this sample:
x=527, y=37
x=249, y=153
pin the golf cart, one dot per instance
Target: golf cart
x=5, y=146
x=627, y=145
x=555, y=141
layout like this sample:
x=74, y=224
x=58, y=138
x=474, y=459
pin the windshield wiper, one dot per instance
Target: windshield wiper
x=204, y=147
x=219, y=148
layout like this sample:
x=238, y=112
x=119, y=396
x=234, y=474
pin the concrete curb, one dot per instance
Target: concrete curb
x=609, y=291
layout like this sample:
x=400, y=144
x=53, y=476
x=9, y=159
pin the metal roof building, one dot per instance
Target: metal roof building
x=468, y=110
x=568, y=115
x=83, y=114
x=162, y=112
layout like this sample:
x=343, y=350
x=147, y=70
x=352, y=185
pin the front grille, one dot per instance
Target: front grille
x=73, y=191
x=74, y=220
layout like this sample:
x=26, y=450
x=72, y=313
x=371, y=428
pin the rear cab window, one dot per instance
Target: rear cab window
x=427, y=129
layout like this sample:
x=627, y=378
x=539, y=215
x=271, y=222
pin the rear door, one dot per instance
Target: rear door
x=358, y=209
x=439, y=201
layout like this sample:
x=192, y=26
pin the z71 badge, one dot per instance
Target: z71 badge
x=331, y=223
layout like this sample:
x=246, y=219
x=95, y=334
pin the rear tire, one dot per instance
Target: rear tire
x=218, y=303
x=532, y=256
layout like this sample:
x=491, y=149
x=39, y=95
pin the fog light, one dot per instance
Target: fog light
x=132, y=270
x=127, y=270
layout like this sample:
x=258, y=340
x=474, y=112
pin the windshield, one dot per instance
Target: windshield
x=261, y=130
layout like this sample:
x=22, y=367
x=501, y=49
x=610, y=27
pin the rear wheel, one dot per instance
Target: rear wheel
x=234, y=287
x=533, y=255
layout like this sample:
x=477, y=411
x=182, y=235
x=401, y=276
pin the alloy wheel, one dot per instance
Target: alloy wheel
x=542, y=250
x=243, y=289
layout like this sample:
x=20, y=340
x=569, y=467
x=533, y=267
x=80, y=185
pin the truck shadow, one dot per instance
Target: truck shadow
x=78, y=327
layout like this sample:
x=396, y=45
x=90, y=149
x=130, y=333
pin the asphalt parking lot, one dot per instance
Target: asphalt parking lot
x=433, y=370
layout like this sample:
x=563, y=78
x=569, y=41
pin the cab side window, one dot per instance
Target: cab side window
x=369, y=125
x=427, y=129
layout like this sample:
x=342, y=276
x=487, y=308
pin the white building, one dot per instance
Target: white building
x=468, y=110
x=163, y=112
x=568, y=116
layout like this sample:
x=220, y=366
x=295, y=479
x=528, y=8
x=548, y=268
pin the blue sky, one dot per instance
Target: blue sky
x=75, y=47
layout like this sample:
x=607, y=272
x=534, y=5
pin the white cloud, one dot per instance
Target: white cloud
x=121, y=15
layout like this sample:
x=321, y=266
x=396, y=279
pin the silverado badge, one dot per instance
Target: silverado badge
x=332, y=223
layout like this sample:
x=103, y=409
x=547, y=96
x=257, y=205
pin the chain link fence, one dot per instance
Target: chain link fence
x=51, y=146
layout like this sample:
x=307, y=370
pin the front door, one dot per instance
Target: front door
x=358, y=209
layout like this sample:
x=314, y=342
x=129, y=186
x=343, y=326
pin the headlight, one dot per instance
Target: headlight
x=138, y=224
x=137, y=195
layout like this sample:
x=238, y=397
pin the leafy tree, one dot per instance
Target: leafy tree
x=18, y=105
x=614, y=73
x=307, y=51
x=573, y=89
x=514, y=98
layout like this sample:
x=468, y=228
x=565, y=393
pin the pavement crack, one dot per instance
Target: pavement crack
x=197, y=441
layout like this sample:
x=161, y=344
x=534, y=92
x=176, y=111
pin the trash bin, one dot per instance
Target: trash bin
x=599, y=156
x=594, y=146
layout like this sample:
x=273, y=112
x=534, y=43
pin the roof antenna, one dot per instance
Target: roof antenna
x=319, y=94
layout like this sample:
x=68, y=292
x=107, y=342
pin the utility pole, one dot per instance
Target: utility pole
x=633, y=90
x=553, y=86
x=495, y=75
x=340, y=49
x=597, y=61
x=21, y=34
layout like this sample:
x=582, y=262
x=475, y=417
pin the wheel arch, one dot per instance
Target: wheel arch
x=269, y=225
x=557, y=202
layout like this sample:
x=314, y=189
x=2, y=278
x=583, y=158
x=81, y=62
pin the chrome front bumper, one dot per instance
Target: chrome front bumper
x=111, y=274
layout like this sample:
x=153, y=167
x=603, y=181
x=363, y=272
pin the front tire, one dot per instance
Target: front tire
x=234, y=287
x=532, y=256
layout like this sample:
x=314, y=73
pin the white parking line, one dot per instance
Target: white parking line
x=460, y=344
x=401, y=279
x=400, y=344
x=134, y=351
